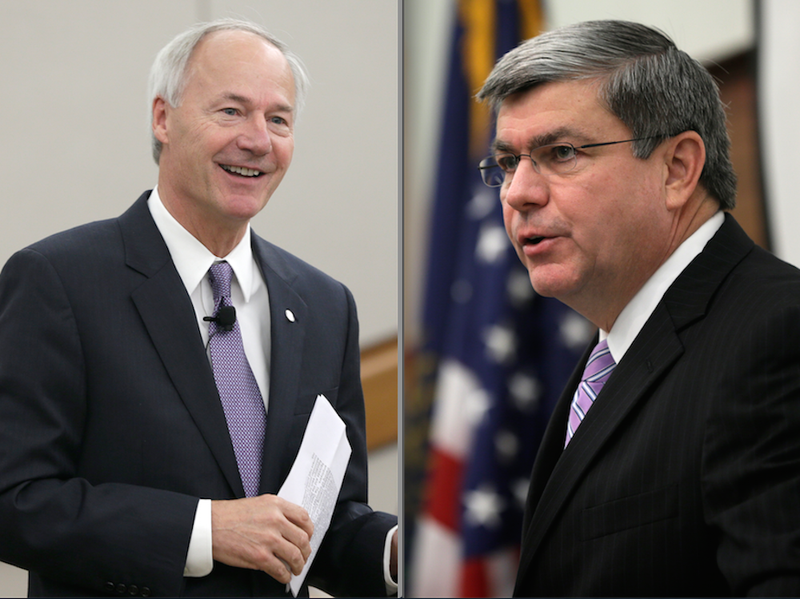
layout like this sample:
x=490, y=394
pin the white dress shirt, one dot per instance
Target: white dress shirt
x=248, y=290
x=633, y=317
x=249, y=295
x=251, y=299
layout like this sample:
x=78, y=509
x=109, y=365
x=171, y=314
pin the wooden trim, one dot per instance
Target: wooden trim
x=379, y=380
x=737, y=90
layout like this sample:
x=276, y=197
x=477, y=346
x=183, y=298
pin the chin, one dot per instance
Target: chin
x=245, y=207
x=548, y=281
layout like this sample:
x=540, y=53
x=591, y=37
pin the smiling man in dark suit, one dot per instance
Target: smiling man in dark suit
x=671, y=465
x=147, y=427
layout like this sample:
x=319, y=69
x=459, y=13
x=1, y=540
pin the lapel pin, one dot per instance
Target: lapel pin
x=289, y=315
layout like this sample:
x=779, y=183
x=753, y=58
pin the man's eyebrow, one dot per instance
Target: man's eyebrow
x=234, y=97
x=500, y=146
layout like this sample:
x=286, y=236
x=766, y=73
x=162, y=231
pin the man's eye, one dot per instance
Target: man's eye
x=507, y=162
x=562, y=153
x=230, y=111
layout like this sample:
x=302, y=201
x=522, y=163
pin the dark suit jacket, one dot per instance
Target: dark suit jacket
x=684, y=478
x=112, y=427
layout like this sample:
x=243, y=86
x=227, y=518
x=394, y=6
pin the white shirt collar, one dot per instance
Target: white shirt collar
x=633, y=317
x=192, y=259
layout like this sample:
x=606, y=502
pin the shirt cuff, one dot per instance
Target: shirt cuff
x=391, y=585
x=200, y=558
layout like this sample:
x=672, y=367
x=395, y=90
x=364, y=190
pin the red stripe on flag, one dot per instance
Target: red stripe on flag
x=444, y=489
x=474, y=579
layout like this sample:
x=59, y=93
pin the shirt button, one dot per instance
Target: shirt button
x=133, y=590
x=121, y=588
x=145, y=592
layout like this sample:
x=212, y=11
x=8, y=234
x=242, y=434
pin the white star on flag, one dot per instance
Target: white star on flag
x=475, y=406
x=483, y=507
x=525, y=391
x=501, y=343
x=575, y=330
x=492, y=243
x=507, y=445
x=520, y=290
x=482, y=203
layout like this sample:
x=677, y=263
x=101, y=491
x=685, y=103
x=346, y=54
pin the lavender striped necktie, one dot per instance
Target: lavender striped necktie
x=595, y=375
x=238, y=391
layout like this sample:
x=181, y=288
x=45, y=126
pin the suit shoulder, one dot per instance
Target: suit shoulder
x=759, y=289
x=91, y=238
x=764, y=269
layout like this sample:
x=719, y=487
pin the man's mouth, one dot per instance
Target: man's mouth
x=534, y=240
x=241, y=171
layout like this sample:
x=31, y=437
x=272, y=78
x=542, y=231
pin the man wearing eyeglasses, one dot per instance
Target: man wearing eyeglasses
x=671, y=464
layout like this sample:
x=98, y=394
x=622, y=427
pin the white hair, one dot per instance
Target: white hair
x=168, y=74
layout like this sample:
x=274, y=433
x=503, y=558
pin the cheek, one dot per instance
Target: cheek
x=509, y=215
x=608, y=202
x=285, y=150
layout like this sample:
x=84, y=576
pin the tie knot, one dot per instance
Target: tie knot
x=600, y=363
x=597, y=370
x=219, y=275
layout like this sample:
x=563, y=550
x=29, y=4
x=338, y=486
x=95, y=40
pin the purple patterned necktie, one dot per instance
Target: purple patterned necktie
x=596, y=373
x=238, y=391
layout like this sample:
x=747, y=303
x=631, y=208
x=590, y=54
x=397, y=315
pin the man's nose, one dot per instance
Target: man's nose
x=527, y=188
x=256, y=137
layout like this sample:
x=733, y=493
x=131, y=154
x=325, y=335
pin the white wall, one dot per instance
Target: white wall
x=75, y=134
x=779, y=86
x=706, y=29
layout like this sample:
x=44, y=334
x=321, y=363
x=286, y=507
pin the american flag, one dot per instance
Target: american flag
x=503, y=353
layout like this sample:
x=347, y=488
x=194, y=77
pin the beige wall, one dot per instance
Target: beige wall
x=75, y=134
x=778, y=67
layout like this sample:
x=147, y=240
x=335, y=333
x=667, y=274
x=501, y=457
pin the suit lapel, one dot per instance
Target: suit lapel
x=288, y=314
x=559, y=470
x=168, y=316
x=655, y=350
x=552, y=445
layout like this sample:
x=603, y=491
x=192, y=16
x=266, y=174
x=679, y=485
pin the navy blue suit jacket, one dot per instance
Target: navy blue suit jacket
x=112, y=427
x=684, y=478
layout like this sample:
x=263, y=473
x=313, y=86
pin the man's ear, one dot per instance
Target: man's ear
x=684, y=159
x=160, y=108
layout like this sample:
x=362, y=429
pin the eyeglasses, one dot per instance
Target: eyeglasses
x=551, y=159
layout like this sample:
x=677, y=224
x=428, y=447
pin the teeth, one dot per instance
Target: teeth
x=240, y=170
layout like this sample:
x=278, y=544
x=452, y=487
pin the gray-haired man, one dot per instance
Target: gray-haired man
x=144, y=445
x=671, y=465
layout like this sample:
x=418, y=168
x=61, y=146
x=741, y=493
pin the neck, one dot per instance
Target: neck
x=218, y=242
x=604, y=311
x=693, y=215
x=219, y=237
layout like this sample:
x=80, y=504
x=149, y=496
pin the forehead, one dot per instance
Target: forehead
x=239, y=61
x=559, y=111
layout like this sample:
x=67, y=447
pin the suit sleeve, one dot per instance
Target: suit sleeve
x=752, y=459
x=53, y=521
x=350, y=560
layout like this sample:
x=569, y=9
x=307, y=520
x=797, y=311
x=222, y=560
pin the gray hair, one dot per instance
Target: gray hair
x=168, y=74
x=653, y=87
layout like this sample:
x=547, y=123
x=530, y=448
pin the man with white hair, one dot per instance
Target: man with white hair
x=159, y=369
